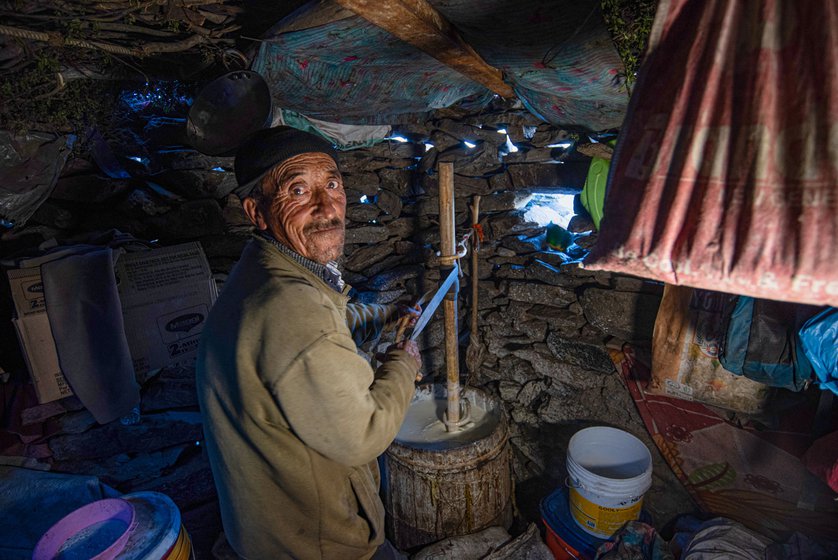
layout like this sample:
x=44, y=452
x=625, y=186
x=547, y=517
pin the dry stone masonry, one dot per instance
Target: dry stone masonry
x=543, y=322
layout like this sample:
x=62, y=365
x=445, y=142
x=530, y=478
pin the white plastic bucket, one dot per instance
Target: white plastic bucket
x=609, y=471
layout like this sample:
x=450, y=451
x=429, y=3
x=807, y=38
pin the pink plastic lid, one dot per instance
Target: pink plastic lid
x=102, y=527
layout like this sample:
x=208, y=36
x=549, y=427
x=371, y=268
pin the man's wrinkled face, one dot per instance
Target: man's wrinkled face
x=303, y=205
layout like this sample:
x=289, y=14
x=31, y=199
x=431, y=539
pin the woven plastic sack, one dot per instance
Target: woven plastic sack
x=726, y=172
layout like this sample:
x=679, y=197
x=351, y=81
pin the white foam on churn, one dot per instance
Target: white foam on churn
x=423, y=427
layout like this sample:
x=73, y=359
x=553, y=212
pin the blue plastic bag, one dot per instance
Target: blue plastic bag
x=819, y=339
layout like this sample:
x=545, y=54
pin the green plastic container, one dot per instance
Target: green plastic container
x=593, y=193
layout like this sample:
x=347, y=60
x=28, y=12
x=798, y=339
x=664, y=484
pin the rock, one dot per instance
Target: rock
x=566, y=178
x=76, y=422
x=579, y=224
x=396, y=150
x=229, y=245
x=194, y=184
x=503, y=224
x=390, y=203
x=366, y=234
x=471, y=131
x=564, y=321
x=578, y=353
x=500, y=182
x=154, y=432
x=508, y=390
x=352, y=278
x=468, y=547
x=402, y=228
x=89, y=187
x=486, y=292
x=443, y=140
x=189, y=485
x=587, y=241
x=195, y=218
x=366, y=183
x=521, y=415
x=518, y=261
x=626, y=315
x=504, y=252
x=505, y=201
x=535, y=329
x=527, y=546
x=233, y=213
x=521, y=245
x=405, y=247
x=362, y=213
x=515, y=369
x=547, y=134
x=531, y=392
x=394, y=278
x=548, y=367
x=463, y=185
x=534, y=155
x=360, y=161
x=543, y=272
x=366, y=256
x=40, y=413
x=140, y=203
x=480, y=161
x=173, y=388
x=386, y=264
x=596, y=150
x=622, y=283
x=531, y=292
x=123, y=468
x=398, y=181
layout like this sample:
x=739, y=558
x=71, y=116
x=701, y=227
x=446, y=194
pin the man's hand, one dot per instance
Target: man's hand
x=411, y=348
x=408, y=315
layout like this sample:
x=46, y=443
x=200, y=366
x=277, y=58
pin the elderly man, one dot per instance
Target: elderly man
x=294, y=418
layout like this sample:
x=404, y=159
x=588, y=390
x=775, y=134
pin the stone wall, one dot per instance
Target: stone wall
x=543, y=322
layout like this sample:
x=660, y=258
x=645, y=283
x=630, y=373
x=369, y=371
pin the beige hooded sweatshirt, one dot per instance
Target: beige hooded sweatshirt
x=294, y=418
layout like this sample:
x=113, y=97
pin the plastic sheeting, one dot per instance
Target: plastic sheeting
x=726, y=171
x=29, y=168
x=819, y=339
x=556, y=54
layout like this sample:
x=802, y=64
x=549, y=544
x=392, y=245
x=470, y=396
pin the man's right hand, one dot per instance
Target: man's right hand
x=411, y=348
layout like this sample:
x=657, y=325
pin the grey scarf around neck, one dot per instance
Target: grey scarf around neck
x=328, y=272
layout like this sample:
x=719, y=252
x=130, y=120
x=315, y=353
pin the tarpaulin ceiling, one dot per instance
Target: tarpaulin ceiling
x=557, y=55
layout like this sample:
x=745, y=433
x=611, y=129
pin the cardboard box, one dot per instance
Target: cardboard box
x=165, y=295
x=35, y=335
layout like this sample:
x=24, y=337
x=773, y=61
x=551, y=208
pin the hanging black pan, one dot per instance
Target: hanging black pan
x=227, y=110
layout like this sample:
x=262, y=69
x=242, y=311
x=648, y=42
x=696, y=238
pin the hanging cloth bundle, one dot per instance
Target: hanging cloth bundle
x=725, y=173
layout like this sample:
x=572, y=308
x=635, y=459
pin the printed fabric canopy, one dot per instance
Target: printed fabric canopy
x=557, y=55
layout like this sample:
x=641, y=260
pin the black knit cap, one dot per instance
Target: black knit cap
x=267, y=148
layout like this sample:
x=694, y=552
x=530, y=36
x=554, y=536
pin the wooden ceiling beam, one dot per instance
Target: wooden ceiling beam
x=418, y=23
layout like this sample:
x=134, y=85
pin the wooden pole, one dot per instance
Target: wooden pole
x=473, y=354
x=418, y=23
x=448, y=248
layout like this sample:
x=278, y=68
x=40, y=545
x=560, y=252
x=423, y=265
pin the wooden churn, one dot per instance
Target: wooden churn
x=432, y=491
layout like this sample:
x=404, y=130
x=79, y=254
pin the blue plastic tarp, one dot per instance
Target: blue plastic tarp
x=819, y=338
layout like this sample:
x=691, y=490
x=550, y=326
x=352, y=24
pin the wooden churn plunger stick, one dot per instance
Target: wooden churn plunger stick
x=448, y=252
x=474, y=353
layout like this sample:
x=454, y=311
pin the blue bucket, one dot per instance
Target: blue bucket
x=565, y=538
